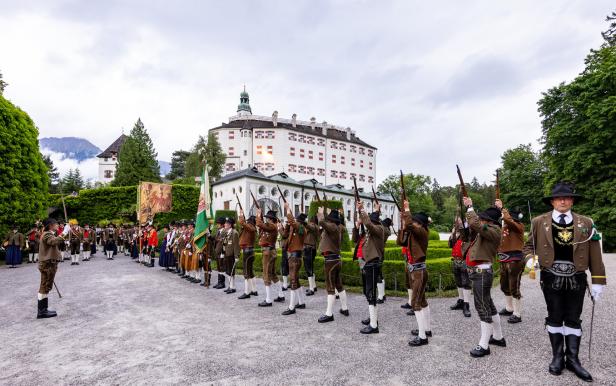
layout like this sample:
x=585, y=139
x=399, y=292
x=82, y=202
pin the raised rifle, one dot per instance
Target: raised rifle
x=396, y=202
x=238, y=202
x=362, y=230
x=497, y=188
x=290, y=227
x=403, y=192
x=254, y=200
x=376, y=200
x=462, y=186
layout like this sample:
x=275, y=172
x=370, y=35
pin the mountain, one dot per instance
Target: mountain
x=75, y=148
x=165, y=167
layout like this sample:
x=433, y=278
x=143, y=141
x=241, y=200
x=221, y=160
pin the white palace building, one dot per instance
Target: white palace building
x=263, y=152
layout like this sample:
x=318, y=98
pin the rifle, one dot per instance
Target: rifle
x=357, y=199
x=362, y=230
x=256, y=203
x=462, y=186
x=396, y=202
x=290, y=227
x=497, y=189
x=376, y=200
x=238, y=202
x=403, y=193
x=301, y=208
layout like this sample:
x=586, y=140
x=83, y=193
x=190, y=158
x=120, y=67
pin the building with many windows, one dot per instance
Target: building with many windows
x=108, y=159
x=328, y=153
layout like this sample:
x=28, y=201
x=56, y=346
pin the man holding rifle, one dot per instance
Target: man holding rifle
x=231, y=252
x=49, y=255
x=267, y=241
x=295, y=245
x=248, y=233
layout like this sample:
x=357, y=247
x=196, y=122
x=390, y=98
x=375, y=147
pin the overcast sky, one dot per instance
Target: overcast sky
x=430, y=84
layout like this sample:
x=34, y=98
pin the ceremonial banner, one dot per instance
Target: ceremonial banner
x=204, y=211
x=152, y=198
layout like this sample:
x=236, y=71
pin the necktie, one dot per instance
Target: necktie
x=562, y=219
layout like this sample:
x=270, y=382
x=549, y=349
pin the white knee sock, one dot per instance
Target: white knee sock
x=246, y=286
x=292, y=300
x=280, y=294
x=486, y=332
x=571, y=331
x=336, y=291
x=232, y=282
x=268, y=294
x=460, y=293
x=517, y=307
x=41, y=296
x=311, y=284
x=380, y=289
x=374, y=322
x=508, y=303
x=36, y=257
x=467, y=296
x=285, y=281
x=330, y=304
x=556, y=330
x=300, y=295
x=421, y=324
x=343, y=301
x=253, y=285
x=427, y=317
x=410, y=292
x=496, y=327
x=314, y=283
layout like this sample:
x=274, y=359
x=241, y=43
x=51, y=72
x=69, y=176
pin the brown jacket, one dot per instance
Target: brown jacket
x=485, y=245
x=48, y=249
x=268, y=233
x=373, y=246
x=231, y=243
x=418, y=238
x=331, y=237
x=295, y=242
x=586, y=254
x=91, y=236
x=15, y=239
x=310, y=236
x=247, y=234
x=512, y=238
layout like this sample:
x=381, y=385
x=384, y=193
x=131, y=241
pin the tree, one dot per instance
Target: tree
x=3, y=84
x=610, y=34
x=521, y=179
x=178, y=164
x=579, y=132
x=137, y=159
x=418, y=191
x=52, y=173
x=211, y=151
x=24, y=181
x=71, y=182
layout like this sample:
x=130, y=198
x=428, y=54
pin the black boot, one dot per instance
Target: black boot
x=572, y=362
x=466, y=310
x=558, y=354
x=458, y=305
x=43, y=312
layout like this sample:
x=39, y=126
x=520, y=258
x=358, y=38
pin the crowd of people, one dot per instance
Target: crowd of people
x=563, y=244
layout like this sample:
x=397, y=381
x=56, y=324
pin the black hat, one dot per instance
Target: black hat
x=252, y=220
x=491, y=214
x=272, y=215
x=230, y=220
x=220, y=220
x=516, y=214
x=562, y=189
x=421, y=218
x=301, y=217
x=190, y=223
x=375, y=217
x=387, y=222
x=49, y=221
x=334, y=216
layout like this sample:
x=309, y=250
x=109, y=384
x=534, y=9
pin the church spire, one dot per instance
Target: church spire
x=244, y=107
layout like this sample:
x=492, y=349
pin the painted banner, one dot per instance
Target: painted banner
x=153, y=198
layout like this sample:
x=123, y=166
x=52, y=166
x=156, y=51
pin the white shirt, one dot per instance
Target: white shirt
x=556, y=216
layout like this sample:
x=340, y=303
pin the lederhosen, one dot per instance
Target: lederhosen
x=294, y=257
x=333, y=266
x=75, y=242
x=511, y=270
x=310, y=252
x=563, y=287
x=459, y=268
x=227, y=242
x=417, y=276
x=481, y=280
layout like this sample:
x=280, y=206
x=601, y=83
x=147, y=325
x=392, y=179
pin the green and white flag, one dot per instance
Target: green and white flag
x=204, y=211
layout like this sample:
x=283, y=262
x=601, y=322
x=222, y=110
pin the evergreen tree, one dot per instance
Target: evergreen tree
x=137, y=159
x=24, y=181
x=178, y=164
x=212, y=152
x=52, y=173
x=71, y=182
x=521, y=179
x=3, y=84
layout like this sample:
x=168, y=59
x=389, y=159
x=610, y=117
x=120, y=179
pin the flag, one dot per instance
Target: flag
x=153, y=198
x=204, y=212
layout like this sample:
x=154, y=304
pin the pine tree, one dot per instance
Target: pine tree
x=52, y=173
x=137, y=159
x=211, y=151
x=178, y=164
x=3, y=84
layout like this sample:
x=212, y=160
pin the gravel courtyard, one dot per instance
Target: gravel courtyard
x=120, y=323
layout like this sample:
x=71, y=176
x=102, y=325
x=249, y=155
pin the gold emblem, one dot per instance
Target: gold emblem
x=565, y=235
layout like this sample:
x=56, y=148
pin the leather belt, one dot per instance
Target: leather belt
x=479, y=270
x=295, y=254
x=248, y=250
x=267, y=248
x=332, y=256
x=415, y=267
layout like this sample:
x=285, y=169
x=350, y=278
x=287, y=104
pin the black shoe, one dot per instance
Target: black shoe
x=466, y=310
x=279, y=299
x=416, y=333
x=369, y=330
x=244, y=296
x=202, y=284
x=411, y=313
x=558, y=354
x=498, y=342
x=366, y=322
x=514, y=319
x=572, y=362
x=505, y=312
x=218, y=286
x=43, y=312
x=325, y=318
x=417, y=341
x=479, y=352
x=231, y=291
x=254, y=293
x=344, y=312
x=285, y=289
x=406, y=306
x=288, y=312
x=315, y=289
x=337, y=296
x=309, y=292
x=458, y=305
x=76, y=263
x=227, y=290
x=300, y=306
x=265, y=304
x=380, y=301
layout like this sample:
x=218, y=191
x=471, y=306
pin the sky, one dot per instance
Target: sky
x=430, y=84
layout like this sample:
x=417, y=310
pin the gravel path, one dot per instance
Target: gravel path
x=121, y=323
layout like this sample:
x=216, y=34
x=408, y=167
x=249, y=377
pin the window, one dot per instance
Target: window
x=310, y=170
x=371, y=180
x=321, y=172
x=231, y=134
x=296, y=195
x=333, y=158
x=370, y=165
x=320, y=142
x=352, y=161
x=333, y=173
x=301, y=138
x=370, y=152
x=292, y=168
x=361, y=163
x=245, y=152
x=302, y=169
x=320, y=156
x=259, y=165
x=310, y=140
x=301, y=153
x=292, y=151
x=259, y=149
x=353, y=149
x=343, y=175
x=270, y=134
x=230, y=167
x=353, y=175
x=342, y=147
x=342, y=160
x=270, y=150
x=292, y=137
x=310, y=154
x=261, y=189
x=362, y=177
x=108, y=173
x=231, y=151
x=106, y=159
x=334, y=145
x=269, y=166
x=361, y=150
x=258, y=134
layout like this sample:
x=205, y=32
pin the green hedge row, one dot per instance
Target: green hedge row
x=431, y=244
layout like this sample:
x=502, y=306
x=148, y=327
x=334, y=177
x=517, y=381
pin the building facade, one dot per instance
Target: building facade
x=330, y=154
x=108, y=159
x=265, y=190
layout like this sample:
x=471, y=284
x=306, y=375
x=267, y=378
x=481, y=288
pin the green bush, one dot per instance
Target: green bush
x=438, y=244
x=433, y=235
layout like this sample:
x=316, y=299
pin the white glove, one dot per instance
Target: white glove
x=65, y=231
x=596, y=291
x=236, y=260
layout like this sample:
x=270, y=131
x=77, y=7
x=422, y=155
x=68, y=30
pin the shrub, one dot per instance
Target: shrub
x=433, y=235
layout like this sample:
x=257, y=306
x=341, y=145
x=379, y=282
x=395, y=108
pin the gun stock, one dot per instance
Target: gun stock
x=403, y=193
x=376, y=200
x=238, y=202
x=301, y=208
x=497, y=188
x=462, y=185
